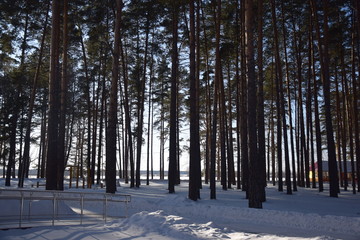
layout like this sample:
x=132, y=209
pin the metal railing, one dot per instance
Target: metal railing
x=38, y=208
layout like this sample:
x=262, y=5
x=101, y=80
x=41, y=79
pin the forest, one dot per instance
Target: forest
x=253, y=92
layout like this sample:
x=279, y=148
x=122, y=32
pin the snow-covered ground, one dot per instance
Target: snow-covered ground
x=155, y=214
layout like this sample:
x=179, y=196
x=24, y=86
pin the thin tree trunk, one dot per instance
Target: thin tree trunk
x=287, y=77
x=141, y=102
x=316, y=114
x=162, y=133
x=309, y=118
x=95, y=124
x=355, y=99
x=173, y=104
x=215, y=102
x=43, y=137
x=88, y=104
x=260, y=101
x=197, y=77
x=279, y=100
x=272, y=128
x=222, y=110
x=129, y=149
x=285, y=134
x=101, y=128
x=26, y=155
x=207, y=98
x=324, y=61
x=244, y=126
x=229, y=130
x=346, y=120
x=238, y=97
x=149, y=143
x=12, y=152
x=339, y=129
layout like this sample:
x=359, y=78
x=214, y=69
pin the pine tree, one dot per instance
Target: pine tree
x=173, y=104
x=54, y=104
x=111, y=128
x=195, y=171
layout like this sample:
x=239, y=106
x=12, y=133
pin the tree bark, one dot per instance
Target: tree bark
x=255, y=183
x=294, y=180
x=26, y=155
x=112, y=118
x=54, y=102
x=195, y=172
x=324, y=61
x=260, y=101
x=173, y=103
x=243, y=107
x=63, y=95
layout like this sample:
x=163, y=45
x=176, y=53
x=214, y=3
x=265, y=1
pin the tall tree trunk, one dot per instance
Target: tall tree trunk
x=355, y=99
x=149, y=136
x=243, y=109
x=229, y=135
x=88, y=105
x=54, y=102
x=95, y=122
x=293, y=160
x=43, y=136
x=63, y=95
x=339, y=126
x=272, y=131
x=26, y=155
x=112, y=119
x=162, y=134
x=173, y=103
x=129, y=149
x=324, y=61
x=255, y=183
x=238, y=96
x=284, y=127
x=309, y=116
x=222, y=110
x=281, y=120
x=197, y=76
x=12, y=152
x=316, y=113
x=101, y=127
x=215, y=102
x=195, y=171
x=19, y=110
x=260, y=101
x=346, y=120
x=141, y=102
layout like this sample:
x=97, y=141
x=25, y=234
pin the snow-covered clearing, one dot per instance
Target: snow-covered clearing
x=155, y=214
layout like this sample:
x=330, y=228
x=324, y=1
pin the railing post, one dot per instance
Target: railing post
x=55, y=196
x=105, y=208
x=30, y=198
x=126, y=206
x=21, y=208
x=82, y=208
x=54, y=208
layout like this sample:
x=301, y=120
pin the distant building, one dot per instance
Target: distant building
x=326, y=170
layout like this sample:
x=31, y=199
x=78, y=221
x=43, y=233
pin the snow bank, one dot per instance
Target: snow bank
x=155, y=214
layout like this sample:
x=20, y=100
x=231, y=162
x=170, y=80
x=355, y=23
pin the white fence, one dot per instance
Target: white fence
x=21, y=208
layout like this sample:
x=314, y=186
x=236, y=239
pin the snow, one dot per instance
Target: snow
x=156, y=214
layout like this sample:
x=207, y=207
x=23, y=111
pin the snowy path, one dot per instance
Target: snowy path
x=155, y=214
